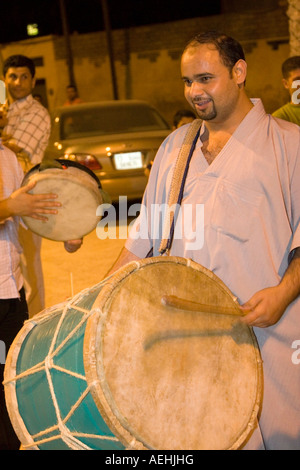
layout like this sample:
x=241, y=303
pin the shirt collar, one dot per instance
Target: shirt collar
x=252, y=119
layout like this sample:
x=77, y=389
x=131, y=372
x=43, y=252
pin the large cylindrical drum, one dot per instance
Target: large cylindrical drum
x=153, y=357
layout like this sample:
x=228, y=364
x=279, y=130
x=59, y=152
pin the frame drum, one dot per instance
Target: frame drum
x=79, y=191
x=117, y=367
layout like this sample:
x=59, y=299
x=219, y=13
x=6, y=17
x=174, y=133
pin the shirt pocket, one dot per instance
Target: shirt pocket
x=235, y=211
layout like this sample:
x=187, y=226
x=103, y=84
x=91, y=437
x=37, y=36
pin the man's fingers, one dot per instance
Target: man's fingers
x=46, y=204
x=38, y=217
x=28, y=187
x=249, y=318
x=251, y=313
x=46, y=198
x=38, y=214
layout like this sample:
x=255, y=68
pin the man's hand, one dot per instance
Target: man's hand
x=265, y=308
x=21, y=203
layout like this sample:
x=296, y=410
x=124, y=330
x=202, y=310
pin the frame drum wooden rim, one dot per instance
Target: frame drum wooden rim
x=10, y=388
x=80, y=195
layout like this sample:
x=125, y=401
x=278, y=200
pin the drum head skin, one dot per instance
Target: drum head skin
x=117, y=368
x=79, y=195
x=173, y=379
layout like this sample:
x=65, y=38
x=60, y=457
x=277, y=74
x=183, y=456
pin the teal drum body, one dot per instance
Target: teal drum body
x=49, y=400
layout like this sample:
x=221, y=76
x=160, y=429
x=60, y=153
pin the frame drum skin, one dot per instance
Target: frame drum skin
x=117, y=367
x=78, y=190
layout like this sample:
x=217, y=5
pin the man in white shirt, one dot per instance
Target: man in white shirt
x=26, y=132
x=245, y=170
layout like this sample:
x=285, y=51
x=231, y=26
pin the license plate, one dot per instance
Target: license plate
x=128, y=161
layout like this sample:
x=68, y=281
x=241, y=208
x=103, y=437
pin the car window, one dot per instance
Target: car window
x=92, y=121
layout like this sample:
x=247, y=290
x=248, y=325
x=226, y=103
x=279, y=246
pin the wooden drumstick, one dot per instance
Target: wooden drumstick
x=182, y=304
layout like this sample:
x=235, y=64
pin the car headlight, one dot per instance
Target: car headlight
x=85, y=159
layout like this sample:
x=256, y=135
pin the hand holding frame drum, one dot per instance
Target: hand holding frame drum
x=116, y=368
x=79, y=192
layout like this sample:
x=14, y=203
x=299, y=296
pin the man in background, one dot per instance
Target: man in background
x=291, y=81
x=26, y=130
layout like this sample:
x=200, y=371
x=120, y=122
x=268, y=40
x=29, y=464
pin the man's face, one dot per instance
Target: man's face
x=291, y=85
x=208, y=85
x=19, y=82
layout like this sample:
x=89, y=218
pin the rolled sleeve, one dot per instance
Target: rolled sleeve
x=29, y=125
x=295, y=242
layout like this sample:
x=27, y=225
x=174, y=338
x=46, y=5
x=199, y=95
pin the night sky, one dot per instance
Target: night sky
x=86, y=15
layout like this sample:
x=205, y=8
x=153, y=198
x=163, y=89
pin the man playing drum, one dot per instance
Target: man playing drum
x=245, y=170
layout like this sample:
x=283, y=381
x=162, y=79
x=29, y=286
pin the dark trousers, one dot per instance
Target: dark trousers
x=13, y=313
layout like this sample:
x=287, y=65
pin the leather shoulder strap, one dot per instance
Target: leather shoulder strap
x=178, y=181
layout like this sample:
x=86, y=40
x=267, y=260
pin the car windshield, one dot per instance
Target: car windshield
x=104, y=120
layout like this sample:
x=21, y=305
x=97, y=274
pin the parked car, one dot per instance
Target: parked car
x=117, y=140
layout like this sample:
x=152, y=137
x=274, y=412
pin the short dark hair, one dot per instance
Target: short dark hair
x=289, y=65
x=229, y=49
x=19, y=60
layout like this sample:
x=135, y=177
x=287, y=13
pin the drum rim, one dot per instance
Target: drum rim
x=92, y=346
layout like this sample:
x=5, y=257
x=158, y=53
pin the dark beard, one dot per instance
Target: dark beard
x=207, y=115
